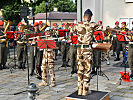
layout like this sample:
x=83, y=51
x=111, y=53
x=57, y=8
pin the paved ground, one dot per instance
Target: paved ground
x=15, y=82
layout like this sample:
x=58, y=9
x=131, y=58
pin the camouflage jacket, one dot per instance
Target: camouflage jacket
x=85, y=32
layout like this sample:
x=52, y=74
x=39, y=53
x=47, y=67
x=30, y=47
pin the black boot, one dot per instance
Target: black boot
x=93, y=71
x=113, y=54
x=23, y=67
x=117, y=58
x=20, y=67
x=4, y=67
x=1, y=67
x=131, y=75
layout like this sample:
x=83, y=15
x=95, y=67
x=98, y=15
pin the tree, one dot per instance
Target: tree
x=62, y=5
x=11, y=11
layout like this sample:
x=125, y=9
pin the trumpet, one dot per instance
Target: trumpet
x=7, y=26
x=44, y=27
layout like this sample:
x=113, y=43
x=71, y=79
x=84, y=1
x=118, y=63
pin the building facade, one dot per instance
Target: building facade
x=108, y=11
x=55, y=17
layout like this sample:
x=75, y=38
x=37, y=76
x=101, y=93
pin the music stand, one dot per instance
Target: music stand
x=11, y=35
x=46, y=44
x=99, y=38
x=124, y=75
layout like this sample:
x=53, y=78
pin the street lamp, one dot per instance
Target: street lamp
x=46, y=4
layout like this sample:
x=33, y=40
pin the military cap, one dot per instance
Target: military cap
x=1, y=23
x=40, y=22
x=123, y=23
x=35, y=24
x=116, y=22
x=54, y=24
x=19, y=24
x=63, y=24
x=100, y=22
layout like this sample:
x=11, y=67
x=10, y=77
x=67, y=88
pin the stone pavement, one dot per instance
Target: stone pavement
x=15, y=82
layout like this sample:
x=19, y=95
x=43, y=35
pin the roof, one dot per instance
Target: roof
x=56, y=16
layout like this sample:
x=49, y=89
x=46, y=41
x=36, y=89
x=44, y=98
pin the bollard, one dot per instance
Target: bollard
x=31, y=89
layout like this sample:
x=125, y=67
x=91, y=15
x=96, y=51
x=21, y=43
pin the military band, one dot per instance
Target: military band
x=83, y=59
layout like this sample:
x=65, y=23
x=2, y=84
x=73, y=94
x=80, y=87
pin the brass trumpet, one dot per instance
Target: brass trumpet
x=7, y=26
x=44, y=27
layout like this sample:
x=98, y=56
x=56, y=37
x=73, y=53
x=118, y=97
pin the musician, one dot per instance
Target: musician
x=21, y=48
x=115, y=42
x=73, y=51
x=33, y=50
x=3, y=50
x=48, y=54
x=40, y=23
x=130, y=56
x=65, y=46
x=55, y=34
x=100, y=28
x=132, y=26
x=36, y=54
x=121, y=45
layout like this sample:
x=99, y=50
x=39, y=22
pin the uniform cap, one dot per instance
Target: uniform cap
x=100, y=22
x=40, y=22
x=35, y=24
x=19, y=24
x=1, y=23
x=123, y=23
x=54, y=24
x=116, y=22
x=63, y=24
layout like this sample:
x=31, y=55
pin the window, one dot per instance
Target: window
x=128, y=0
x=128, y=22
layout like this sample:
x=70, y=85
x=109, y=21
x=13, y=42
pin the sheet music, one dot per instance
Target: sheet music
x=94, y=45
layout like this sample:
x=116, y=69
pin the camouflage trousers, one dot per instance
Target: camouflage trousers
x=84, y=63
x=48, y=55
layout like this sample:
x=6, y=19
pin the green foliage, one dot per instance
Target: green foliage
x=11, y=12
x=62, y=5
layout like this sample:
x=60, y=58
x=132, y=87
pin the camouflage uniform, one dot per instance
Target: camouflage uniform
x=55, y=35
x=84, y=57
x=48, y=54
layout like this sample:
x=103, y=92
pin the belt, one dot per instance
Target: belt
x=130, y=42
x=73, y=44
x=20, y=42
x=84, y=46
x=3, y=40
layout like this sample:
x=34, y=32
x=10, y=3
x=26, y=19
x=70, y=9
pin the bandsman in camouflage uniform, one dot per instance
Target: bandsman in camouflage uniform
x=55, y=35
x=48, y=54
x=84, y=53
